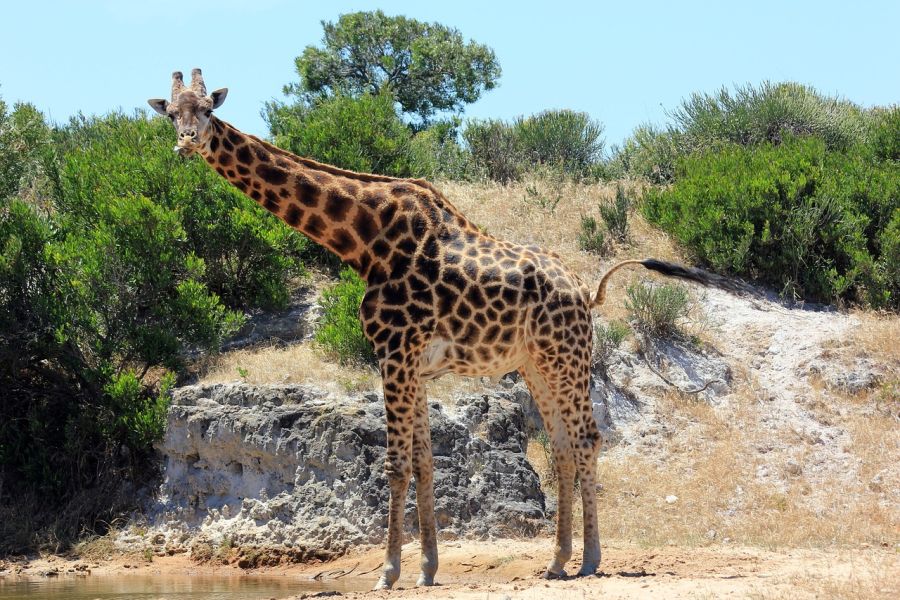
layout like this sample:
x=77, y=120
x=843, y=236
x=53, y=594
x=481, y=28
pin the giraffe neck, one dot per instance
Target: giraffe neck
x=372, y=222
x=321, y=203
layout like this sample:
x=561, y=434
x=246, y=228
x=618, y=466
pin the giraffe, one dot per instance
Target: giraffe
x=441, y=296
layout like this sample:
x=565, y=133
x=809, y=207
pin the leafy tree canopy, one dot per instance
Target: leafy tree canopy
x=428, y=67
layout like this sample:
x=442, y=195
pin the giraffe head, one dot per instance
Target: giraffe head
x=189, y=110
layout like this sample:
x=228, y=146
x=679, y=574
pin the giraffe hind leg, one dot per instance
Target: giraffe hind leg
x=547, y=402
x=588, y=448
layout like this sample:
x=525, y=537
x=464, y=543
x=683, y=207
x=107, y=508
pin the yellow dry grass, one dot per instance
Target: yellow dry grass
x=709, y=466
x=306, y=363
x=869, y=578
x=878, y=337
x=298, y=363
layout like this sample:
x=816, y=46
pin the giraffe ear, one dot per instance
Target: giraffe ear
x=218, y=97
x=159, y=105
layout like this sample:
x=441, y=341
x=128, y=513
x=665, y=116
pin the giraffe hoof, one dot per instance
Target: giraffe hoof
x=425, y=581
x=382, y=584
x=551, y=575
x=587, y=570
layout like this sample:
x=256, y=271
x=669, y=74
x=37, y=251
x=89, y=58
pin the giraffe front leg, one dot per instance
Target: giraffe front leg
x=399, y=402
x=423, y=470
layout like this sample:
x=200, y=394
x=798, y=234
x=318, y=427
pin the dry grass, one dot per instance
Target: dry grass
x=512, y=212
x=298, y=363
x=878, y=337
x=719, y=500
x=710, y=463
x=874, y=338
x=98, y=548
x=866, y=579
x=305, y=363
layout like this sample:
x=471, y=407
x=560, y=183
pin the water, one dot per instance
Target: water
x=166, y=587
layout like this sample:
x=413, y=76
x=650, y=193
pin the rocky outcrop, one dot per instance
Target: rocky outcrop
x=294, y=467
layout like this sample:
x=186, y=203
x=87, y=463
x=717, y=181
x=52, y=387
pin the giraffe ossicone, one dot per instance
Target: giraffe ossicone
x=441, y=296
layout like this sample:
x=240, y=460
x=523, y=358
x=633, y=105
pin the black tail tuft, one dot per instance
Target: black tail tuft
x=680, y=271
x=672, y=270
x=692, y=274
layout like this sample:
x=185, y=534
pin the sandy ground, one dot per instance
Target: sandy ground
x=510, y=569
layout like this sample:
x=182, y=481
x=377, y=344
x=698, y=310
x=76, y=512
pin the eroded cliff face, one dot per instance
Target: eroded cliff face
x=291, y=466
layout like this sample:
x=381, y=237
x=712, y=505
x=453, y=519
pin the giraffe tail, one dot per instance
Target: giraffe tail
x=670, y=270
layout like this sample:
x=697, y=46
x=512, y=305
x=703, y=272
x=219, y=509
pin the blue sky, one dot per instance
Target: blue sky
x=623, y=62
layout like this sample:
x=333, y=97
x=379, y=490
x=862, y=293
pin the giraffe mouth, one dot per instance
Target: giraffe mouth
x=183, y=151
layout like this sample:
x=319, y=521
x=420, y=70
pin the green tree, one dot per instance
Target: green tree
x=428, y=67
x=361, y=134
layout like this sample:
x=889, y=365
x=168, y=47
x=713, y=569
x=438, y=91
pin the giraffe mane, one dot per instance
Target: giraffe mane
x=332, y=170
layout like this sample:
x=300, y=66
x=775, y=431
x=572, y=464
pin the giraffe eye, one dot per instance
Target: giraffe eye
x=209, y=113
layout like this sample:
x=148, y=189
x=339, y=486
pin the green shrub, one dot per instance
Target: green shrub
x=656, y=309
x=85, y=314
x=139, y=413
x=340, y=331
x=888, y=263
x=811, y=222
x=24, y=143
x=768, y=113
x=362, y=134
x=435, y=153
x=27, y=306
x=249, y=255
x=566, y=139
x=496, y=149
x=105, y=260
x=650, y=153
x=591, y=238
x=135, y=289
x=884, y=134
x=749, y=116
x=607, y=338
x=615, y=215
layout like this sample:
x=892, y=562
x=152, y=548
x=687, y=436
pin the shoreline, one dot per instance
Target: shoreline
x=512, y=568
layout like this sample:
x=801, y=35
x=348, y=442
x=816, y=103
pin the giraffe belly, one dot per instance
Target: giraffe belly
x=435, y=358
x=444, y=356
